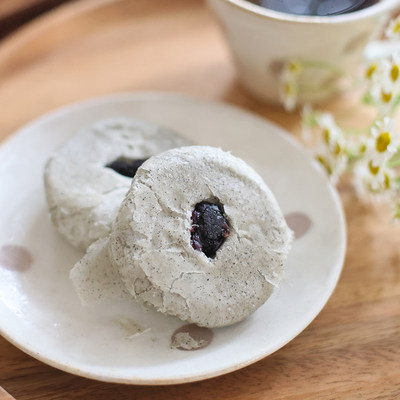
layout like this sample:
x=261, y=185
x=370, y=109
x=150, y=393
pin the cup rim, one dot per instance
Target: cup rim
x=375, y=9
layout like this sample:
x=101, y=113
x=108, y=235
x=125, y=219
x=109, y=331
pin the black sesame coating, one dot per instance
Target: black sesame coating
x=125, y=166
x=210, y=228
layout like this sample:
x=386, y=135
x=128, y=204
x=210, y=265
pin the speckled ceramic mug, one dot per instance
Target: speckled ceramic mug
x=263, y=40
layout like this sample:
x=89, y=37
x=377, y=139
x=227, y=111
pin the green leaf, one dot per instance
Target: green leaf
x=394, y=161
x=397, y=213
x=396, y=102
x=367, y=99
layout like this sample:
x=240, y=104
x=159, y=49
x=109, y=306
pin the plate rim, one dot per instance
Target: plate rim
x=156, y=95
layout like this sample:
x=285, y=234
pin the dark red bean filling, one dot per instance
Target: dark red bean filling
x=210, y=227
x=126, y=166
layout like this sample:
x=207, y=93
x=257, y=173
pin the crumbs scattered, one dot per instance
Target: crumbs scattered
x=132, y=328
x=191, y=337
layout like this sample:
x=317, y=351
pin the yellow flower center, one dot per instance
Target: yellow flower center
x=370, y=71
x=363, y=148
x=394, y=73
x=396, y=27
x=386, y=97
x=373, y=169
x=325, y=164
x=326, y=135
x=294, y=67
x=382, y=142
x=289, y=89
x=386, y=181
x=337, y=150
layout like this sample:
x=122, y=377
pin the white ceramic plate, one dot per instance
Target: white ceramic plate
x=39, y=311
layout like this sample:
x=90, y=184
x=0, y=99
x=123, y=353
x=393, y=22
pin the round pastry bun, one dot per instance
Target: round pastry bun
x=151, y=246
x=84, y=195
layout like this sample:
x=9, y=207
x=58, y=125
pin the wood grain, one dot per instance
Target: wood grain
x=95, y=47
x=14, y=13
x=11, y=7
x=4, y=395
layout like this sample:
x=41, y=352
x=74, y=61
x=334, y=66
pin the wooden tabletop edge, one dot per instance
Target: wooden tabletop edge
x=54, y=16
x=4, y=395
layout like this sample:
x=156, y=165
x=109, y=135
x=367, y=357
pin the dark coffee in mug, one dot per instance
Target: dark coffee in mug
x=315, y=7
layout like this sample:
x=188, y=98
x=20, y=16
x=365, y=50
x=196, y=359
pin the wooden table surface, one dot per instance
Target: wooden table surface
x=95, y=47
x=14, y=13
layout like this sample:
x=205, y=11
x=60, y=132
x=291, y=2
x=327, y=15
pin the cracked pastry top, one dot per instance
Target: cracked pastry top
x=200, y=236
x=87, y=178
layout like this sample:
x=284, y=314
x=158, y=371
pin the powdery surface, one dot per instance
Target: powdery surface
x=150, y=241
x=83, y=196
x=94, y=277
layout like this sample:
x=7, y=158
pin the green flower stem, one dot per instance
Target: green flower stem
x=311, y=121
x=332, y=89
x=353, y=158
x=395, y=104
x=322, y=65
x=394, y=161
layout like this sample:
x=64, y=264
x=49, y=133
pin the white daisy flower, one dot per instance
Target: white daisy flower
x=394, y=71
x=289, y=94
x=393, y=30
x=383, y=142
x=331, y=133
x=377, y=182
x=383, y=78
x=290, y=84
x=331, y=151
x=334, y=164
x=371, y=70
x=292, y=69
x=382, y=90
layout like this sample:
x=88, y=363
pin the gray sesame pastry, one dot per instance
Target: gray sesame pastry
x=87, y=178
x=94, y=278
x=200, y=236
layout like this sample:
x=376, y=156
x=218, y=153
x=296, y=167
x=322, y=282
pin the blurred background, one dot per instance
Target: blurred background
x=14, y=13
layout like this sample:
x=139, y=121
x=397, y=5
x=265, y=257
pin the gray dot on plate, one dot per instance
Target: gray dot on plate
x=15, y=258
x=299, y=223
x=191, y=337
